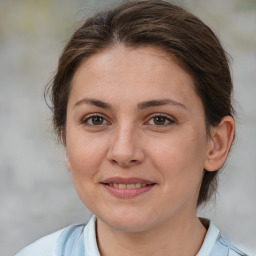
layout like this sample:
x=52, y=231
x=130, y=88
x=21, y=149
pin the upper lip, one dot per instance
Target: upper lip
x=131, y=180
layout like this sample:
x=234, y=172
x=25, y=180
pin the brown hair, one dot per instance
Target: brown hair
x=163, y=25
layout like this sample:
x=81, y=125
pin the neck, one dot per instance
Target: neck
x=180, y=237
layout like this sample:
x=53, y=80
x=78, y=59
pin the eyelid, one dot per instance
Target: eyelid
x=88, y=116
x=148, y=118
x=168, y=117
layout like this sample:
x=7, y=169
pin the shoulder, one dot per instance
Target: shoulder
x=65, y=242
x=42, y=247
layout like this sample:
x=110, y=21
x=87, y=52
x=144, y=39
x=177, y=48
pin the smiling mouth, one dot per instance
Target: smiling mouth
x=129, y=190
x=128, y=186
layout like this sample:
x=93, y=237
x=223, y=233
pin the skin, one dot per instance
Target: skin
x=127, y=140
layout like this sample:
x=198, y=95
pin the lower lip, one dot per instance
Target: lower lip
x=128, y=193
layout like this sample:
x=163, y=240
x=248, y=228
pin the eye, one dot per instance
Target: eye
x=94, y=120
x=160, y=120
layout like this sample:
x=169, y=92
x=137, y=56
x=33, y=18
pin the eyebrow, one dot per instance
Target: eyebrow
x=94, y=102
x=155, y=103
x=142, y=105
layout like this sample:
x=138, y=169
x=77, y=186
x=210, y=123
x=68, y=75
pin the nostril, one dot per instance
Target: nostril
x=114, y=161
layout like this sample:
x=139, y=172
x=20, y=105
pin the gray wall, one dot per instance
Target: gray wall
x=36, y=192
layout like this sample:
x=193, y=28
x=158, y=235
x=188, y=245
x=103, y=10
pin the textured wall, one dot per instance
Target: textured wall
x=36, y=192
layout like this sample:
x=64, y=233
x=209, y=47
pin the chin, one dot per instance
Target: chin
x=127, y=222
x=131, y=227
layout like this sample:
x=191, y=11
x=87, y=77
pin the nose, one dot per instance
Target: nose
x=125, y=148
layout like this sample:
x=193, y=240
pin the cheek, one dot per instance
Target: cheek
x=85, y=153
x=180, y=158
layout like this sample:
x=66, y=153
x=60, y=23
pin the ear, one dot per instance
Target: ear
x=219, y=144
x=67, y=161
x=63, y=136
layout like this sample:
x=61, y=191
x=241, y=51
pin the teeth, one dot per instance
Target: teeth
x=130, y=185
x=127, y=186
x=122, y=186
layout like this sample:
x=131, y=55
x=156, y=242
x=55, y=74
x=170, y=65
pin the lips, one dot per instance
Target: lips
x=127, y=187
x=132, y=180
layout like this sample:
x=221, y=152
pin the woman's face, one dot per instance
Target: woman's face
x=135, y=138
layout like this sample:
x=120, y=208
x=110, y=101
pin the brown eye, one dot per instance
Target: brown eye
x=94, y=121
x=159, y=120
x=97, y=120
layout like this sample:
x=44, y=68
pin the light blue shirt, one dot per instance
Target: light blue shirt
x=80, y=240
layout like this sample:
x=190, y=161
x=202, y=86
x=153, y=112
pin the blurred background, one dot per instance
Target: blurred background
x=36, y=191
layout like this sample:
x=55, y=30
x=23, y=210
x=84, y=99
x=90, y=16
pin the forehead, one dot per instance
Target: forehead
x=120, y=58
x=121, y=68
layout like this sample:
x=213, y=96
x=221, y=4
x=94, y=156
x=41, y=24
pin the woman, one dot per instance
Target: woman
x=142, y=103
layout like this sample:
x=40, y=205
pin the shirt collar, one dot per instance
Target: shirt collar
x=90, y=242
x=209, y=240
x=91, y=247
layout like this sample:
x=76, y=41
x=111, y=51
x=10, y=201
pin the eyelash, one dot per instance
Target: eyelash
x=165, y=119
x=85, y=121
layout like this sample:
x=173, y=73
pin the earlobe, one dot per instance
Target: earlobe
x=220, y=142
